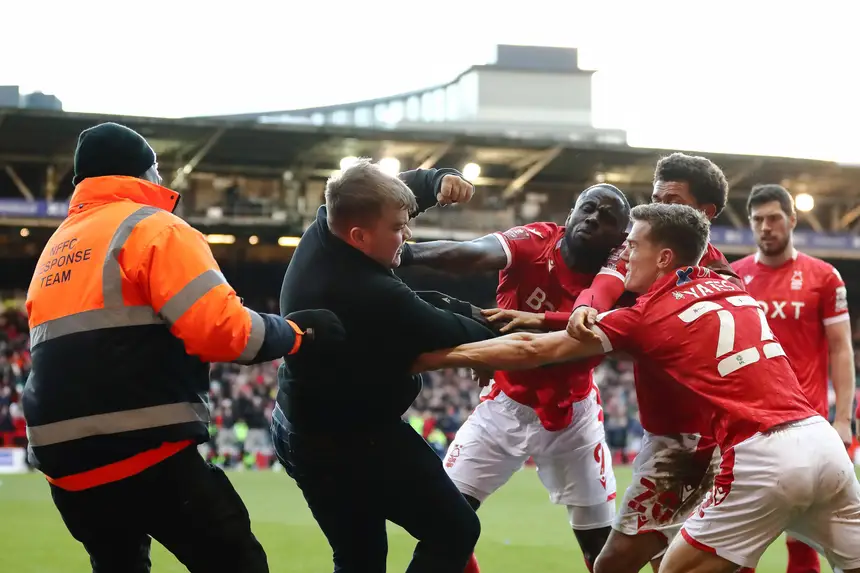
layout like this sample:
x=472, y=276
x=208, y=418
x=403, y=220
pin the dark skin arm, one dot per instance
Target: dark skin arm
x=479, y=255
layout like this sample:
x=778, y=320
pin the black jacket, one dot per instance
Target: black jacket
x=366, y=382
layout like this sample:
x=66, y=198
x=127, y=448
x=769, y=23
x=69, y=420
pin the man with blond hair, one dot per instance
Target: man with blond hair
x=337, y=425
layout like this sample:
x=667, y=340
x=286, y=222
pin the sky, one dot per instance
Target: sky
x=755, y=76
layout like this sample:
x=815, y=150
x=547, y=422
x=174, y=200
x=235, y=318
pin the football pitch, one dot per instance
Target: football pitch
x=522, y=531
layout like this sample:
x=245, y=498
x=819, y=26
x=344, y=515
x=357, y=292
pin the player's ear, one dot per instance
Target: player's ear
x=666, y=259
x=710, y=210
x=792, y=221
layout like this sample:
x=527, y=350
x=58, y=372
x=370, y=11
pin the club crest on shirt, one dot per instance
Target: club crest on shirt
x=517, y=234
x=797, y=280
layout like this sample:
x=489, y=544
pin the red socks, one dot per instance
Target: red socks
x=802, y=558
x=472, y=565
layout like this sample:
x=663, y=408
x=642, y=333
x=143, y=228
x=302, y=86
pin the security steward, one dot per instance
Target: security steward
x=337, y=426
x=126, y=307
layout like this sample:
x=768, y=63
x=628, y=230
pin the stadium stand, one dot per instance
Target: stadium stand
x=252, y=186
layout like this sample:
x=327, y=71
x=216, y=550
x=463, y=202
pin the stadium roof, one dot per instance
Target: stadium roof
x=36, y=139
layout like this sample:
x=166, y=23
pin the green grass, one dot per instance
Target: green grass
x=522, y=531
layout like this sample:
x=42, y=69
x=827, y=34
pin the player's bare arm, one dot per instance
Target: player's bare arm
x=841, y=354
x=512, y=320
x=479, y=255
x=518, y=351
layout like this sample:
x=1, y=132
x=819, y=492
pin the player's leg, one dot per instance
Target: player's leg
x=575, y=466
x=764, y=482
x=341, y=487
x=103, y=521
x=801, y=557
x=625, y=553
x=487, y=450
x=193, y=508
x=422, y=499
x=832, y=521
x=671, y=476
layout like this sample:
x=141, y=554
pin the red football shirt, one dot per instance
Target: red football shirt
x=706, y=334
x=536, y=279
x=673, y=409
x=800, y=298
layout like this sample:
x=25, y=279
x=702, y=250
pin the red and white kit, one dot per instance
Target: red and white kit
x=783, y=467
x=678, y=459
x=800, y=298
x=552, y=414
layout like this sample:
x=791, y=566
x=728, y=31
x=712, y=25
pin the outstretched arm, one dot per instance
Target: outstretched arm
x=478, y=255
x=520, y=351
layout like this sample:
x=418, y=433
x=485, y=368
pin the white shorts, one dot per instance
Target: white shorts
x=573, y=464
x=671, y=476
x=797, y=478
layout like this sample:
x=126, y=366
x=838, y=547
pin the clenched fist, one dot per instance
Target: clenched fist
x=454, y=189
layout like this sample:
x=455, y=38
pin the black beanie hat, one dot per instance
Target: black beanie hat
x=111, y=149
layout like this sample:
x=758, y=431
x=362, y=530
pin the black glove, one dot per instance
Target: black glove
x=444, y=302
x=319, y=325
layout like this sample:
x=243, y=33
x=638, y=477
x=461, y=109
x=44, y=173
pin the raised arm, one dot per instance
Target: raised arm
x=431, y=187
x=520, y=351
x=478, y=255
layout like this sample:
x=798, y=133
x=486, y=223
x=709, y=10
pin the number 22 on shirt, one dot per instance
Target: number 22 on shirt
x=726, y=338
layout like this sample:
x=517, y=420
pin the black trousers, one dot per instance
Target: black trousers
x=353, y=483
x=184, y=503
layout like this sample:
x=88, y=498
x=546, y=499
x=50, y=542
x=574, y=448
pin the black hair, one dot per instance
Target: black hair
x=768, y=192
x=625, y=205
x=707, y=182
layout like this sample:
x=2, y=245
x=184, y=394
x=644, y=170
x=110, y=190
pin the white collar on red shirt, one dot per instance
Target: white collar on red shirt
x=793, y=255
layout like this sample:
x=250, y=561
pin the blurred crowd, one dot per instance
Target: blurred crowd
x=242, y=398
x=14, y=368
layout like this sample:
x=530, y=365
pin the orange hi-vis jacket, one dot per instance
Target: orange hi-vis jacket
x=127, y=307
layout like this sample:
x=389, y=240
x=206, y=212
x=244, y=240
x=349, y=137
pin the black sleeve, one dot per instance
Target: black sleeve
x=444, y=302
x=418, y=326
x=278, y=342
x=425, y=184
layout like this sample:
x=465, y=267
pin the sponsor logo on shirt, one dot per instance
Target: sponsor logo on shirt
x=841, y=299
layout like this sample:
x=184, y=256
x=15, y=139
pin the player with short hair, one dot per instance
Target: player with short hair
x=806, y=305
x=675, y=466
x=551, y=414
x=783, y=466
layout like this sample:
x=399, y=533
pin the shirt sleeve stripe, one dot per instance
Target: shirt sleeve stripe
x=604, y=340
x=506, y=248
x=611, y=272
x=836, y=319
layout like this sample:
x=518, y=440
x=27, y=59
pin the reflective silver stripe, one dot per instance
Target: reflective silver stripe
x=255, y=340
x=116, y=422
x=111, y=273
x=93, y=320
x=179, y=303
